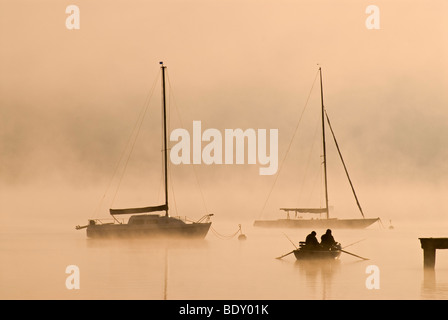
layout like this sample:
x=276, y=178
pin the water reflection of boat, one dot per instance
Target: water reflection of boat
x=319, y=274
x=312, y=266
x=150, y=225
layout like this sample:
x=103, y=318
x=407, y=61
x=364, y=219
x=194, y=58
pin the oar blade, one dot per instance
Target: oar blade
x=286, y=254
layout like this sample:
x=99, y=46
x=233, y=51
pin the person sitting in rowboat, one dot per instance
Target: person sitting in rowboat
x=311, y=241
x=327, y=240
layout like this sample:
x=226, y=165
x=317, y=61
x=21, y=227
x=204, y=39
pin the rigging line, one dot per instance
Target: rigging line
x=289, y=146
x=318, y=176
x=224, y=236
x=148, y=97
x=343, y=163
x=322, y=187
x=194, y=168
x=135, y=133
x=290, y=241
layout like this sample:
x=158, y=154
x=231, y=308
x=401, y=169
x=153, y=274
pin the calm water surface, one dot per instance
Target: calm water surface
x=34, y=261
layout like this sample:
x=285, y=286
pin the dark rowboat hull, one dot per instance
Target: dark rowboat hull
x=305, y=254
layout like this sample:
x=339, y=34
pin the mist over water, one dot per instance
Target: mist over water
x=35, y=257
x=37, y=245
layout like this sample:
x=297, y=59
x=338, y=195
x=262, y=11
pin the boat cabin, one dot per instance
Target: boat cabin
x=152, y=219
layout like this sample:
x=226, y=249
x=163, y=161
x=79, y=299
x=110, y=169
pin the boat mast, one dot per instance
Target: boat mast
x=165, y=147
x=323, y=142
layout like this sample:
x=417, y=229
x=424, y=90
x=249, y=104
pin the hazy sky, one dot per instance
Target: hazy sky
x=70, y=98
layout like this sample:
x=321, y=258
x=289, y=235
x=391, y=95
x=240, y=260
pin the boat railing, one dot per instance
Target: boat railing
x=93, y=222
x=106, y=221
x=205, y=218
x=182, y=218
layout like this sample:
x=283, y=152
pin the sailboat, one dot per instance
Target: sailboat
x=150, y=225
x=327, y=222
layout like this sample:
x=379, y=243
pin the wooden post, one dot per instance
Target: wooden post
x=429, y=246
x=429, y=257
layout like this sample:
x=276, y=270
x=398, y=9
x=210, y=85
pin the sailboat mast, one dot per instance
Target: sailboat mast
x=323, y=143
x=165, y=147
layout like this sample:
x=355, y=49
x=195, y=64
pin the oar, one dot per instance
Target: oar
x=291, y=241
x=353, y=243
x=286, y=254
x=353, y=254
